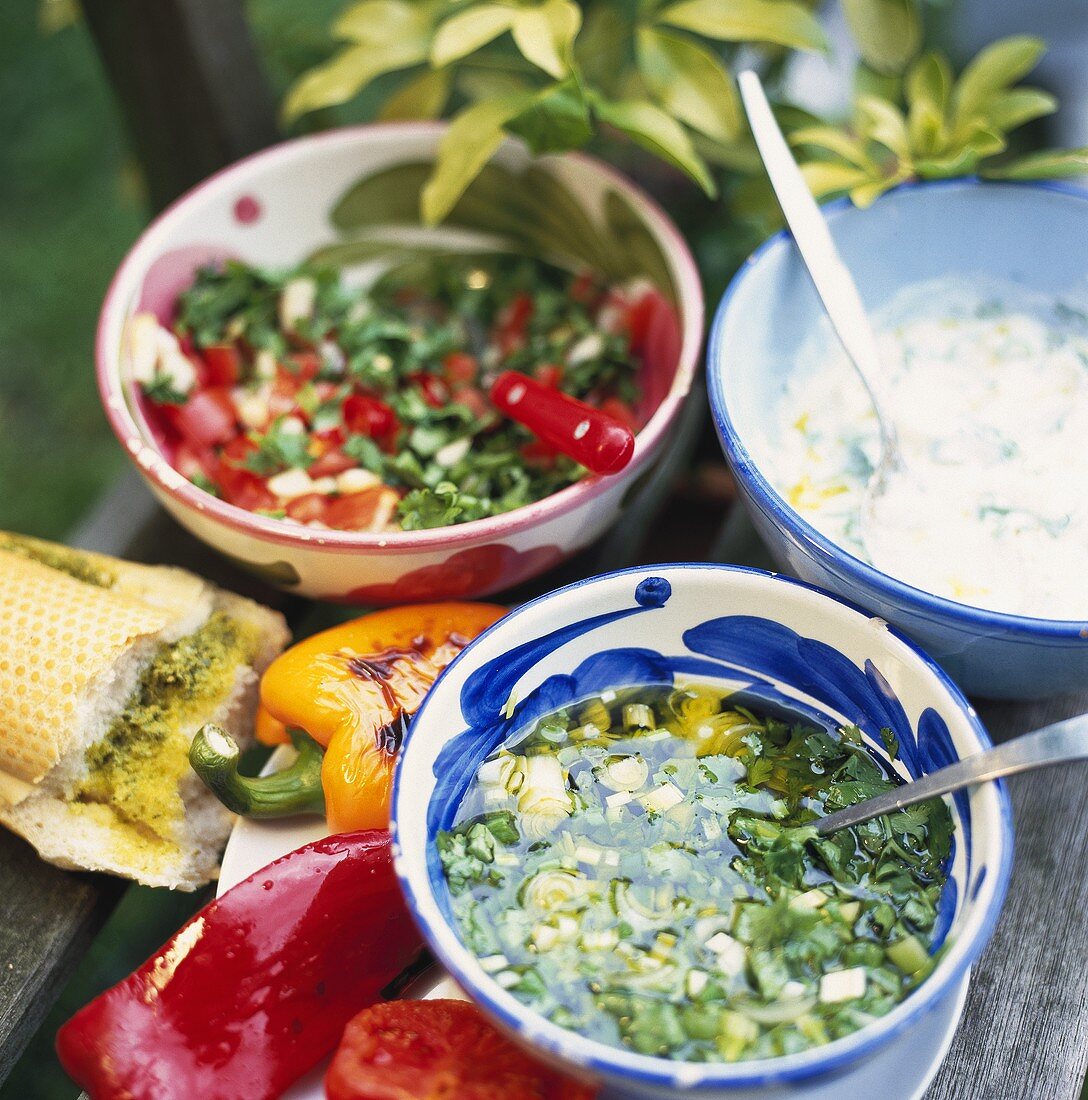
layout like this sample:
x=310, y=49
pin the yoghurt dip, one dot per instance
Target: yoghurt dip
x=987, y=385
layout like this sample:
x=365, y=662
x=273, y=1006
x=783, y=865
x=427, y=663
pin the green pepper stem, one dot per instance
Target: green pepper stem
x=295, y=789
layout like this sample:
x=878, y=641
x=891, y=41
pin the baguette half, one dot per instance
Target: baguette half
x=107, y=670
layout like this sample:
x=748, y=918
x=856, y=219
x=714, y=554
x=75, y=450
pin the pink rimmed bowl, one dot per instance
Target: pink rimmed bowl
x=347, y=197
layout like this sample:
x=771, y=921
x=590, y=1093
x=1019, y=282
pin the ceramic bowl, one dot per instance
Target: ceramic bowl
x=1016, y=232
x=345, y=197
x=750, y=630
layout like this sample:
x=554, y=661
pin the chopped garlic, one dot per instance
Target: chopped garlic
x=842, y=985
x=491, y=964
x=178, y=368
x=696, y=982
x=291, y=484
x=324, y=485
x=589, y=347
x=142, y=344
x=810, y=899
x=292, y=425
x=452, y=453
x=662, y=798
x=792, y=990
x=251, y=407
x=356, y=481
x=297, y=302
x=730, y=954
x=264, y=366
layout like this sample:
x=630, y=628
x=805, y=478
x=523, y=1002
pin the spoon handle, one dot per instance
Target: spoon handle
x=832, y=280
x=1061, y=743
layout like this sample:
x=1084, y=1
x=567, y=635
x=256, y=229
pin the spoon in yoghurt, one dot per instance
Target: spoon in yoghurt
x=830, y=276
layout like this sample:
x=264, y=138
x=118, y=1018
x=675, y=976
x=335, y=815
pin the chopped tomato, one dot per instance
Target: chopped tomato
x=511, y=323
x=369, y=416
x=474, y=399
x=247, y=490
x=433, y=389
x=304, y=365
x=459, y=368
x=308, y=507
x=619, y=410
x=438, y=1050
x=222, y=365
x=207, y=417
x=539, y=453
x=237, y=450
x=191, y=459
x=551, y=374
x=331, y=437
x=641, y=316
x=584, y=288
x=358, y=511
x=332, y=462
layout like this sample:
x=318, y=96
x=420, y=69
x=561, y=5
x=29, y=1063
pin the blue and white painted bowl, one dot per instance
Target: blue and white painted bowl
x=776, y=637
x=1010, y=231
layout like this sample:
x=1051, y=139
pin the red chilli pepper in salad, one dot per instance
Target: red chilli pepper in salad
x=590, y=436
x=257, y=987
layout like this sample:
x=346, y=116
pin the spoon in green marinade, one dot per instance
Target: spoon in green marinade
x=1060, y=743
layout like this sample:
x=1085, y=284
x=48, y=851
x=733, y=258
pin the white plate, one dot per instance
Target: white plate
x=900, y=1071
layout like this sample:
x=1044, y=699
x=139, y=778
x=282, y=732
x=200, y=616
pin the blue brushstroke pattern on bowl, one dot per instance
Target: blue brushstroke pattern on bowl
x=1032, y=234
x=778, y=640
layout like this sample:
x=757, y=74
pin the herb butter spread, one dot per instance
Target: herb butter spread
x=135, y=769
x=987, y=386
x=641, y=868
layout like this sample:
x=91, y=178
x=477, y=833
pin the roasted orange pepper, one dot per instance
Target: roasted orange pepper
x=354, y=688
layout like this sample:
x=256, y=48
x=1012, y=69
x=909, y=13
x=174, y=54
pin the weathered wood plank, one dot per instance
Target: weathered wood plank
x=190, y=86
x=1025, y=1026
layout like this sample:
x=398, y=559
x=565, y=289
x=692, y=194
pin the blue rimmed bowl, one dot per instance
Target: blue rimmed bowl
x=1023, y=233
x=779, y=639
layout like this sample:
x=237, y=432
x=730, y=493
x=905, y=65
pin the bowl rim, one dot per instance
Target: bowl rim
x=153, y=465
x=602, y=1059
x=770, y=501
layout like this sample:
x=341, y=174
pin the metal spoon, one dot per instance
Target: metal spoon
x=829, y=274
x=1060, y=743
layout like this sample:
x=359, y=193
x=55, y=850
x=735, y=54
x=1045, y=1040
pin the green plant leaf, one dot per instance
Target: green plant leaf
x=930, y=81
x=468, y=30
x=468, y=144
x=347, y=74
x=829, y=177
x=992, y=70
x=602, y=48
x=556, y=120
x=1044, y=165
x=883, y=122
x=424, y=96
x=928, y=88
x=545, y=35
x=690, y=82
x=868, y=193
x=636, y=250
x=888, y=32
x=379, y=22
x=783, y=24
x=659, y=132
x=834, y=141
x=1017, y=106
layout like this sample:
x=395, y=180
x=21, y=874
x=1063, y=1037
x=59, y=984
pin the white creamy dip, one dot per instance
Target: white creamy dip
x=988, y=388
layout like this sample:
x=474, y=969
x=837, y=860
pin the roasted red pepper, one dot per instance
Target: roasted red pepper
x=257, y=987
